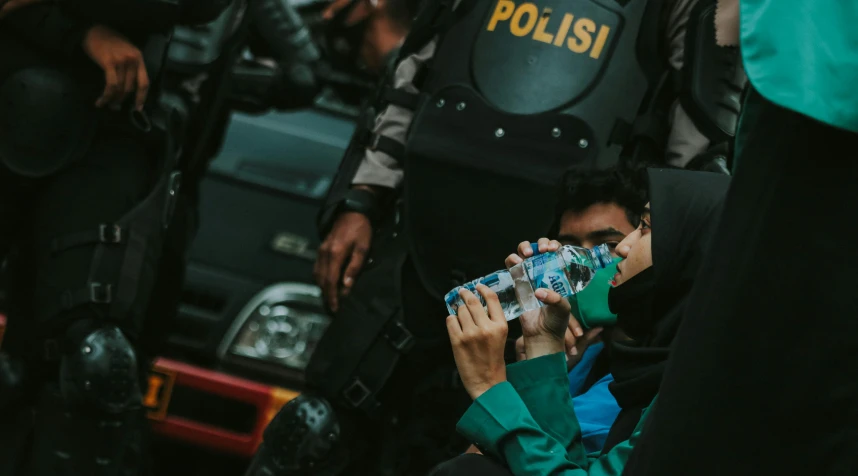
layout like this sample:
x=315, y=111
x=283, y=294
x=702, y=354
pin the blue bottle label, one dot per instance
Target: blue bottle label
x=547, y=271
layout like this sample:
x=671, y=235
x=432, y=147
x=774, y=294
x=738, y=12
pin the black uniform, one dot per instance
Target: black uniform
x=87, y=198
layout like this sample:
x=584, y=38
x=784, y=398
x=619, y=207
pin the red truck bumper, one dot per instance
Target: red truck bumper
x=167, y=375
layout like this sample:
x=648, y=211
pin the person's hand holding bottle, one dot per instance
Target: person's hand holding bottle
x=478, y=338
x=541, y=327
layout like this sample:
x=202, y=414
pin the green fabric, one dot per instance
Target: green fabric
x=529, y=424
x=590, y=306
x=803, y=55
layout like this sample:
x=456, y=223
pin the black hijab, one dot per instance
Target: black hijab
x=684, y=207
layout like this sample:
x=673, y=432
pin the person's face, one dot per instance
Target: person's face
x=599, y=224
x=636, y=251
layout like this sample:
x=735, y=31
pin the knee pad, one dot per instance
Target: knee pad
x=303, y=439
x=98, y=371
x=47, y=121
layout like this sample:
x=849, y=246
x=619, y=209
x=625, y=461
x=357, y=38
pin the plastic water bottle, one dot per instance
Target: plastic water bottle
x=566, y=271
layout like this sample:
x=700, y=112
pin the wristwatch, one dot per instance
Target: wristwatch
x=360, y=201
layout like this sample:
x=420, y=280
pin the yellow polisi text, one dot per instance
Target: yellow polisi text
x=525, y=19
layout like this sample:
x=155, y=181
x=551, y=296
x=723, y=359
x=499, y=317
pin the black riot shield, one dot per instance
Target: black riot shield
x=518, y=93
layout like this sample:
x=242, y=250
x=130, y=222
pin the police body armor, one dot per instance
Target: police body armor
x=517, y=94
x=545, y=87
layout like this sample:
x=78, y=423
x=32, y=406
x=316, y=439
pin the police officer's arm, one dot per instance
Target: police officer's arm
x=50, y=28
x=350, y=237
x=378, y=168
x=697, y=131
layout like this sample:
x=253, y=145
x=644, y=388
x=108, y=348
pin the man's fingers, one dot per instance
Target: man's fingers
x=492, y=303
x=512, y=260
x=575, y=327
x=111, y=86
x=543, y=245
x=464, y=314
x=525, y=250
x=355, y=264
x=549, y=298
x=142, y=86
x=121, y=92
x=454, y=329
x=332, y=274
x=554, y=245
x=475, y=308
x=569, y=340
x=130, y=83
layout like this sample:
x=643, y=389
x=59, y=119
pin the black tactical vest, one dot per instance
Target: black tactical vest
x=517, y=94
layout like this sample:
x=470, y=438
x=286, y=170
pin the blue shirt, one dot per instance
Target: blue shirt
x=596, y=409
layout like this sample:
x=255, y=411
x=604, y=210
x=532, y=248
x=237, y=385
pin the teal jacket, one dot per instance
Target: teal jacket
x=529, y=424
x=803, y=55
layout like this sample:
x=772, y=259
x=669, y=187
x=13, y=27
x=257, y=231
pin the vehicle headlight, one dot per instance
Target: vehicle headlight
x=282, y=324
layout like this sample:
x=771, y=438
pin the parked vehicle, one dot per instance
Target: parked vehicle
x=250, y=315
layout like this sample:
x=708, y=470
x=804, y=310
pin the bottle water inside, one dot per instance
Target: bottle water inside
x=566, y=271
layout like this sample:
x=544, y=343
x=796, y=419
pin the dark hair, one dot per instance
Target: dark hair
x=585, y=188
x=402, y=12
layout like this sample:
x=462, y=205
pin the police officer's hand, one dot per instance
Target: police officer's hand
x=349, y=239
x=478, y=341
x=122, y=62
x=12, y=5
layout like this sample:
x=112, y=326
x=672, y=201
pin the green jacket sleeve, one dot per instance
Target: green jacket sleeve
x=529, y=424
x=48, y=27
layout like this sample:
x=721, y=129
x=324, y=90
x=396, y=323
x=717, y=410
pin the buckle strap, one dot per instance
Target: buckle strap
x=401, y=98
x=399, y=337
x=107, y=233
x=93, y=293
x=359, y=396
x=389, y=146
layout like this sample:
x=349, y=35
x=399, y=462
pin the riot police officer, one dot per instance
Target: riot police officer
x=256, y=56
x=491, y=102
x=89, y=173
